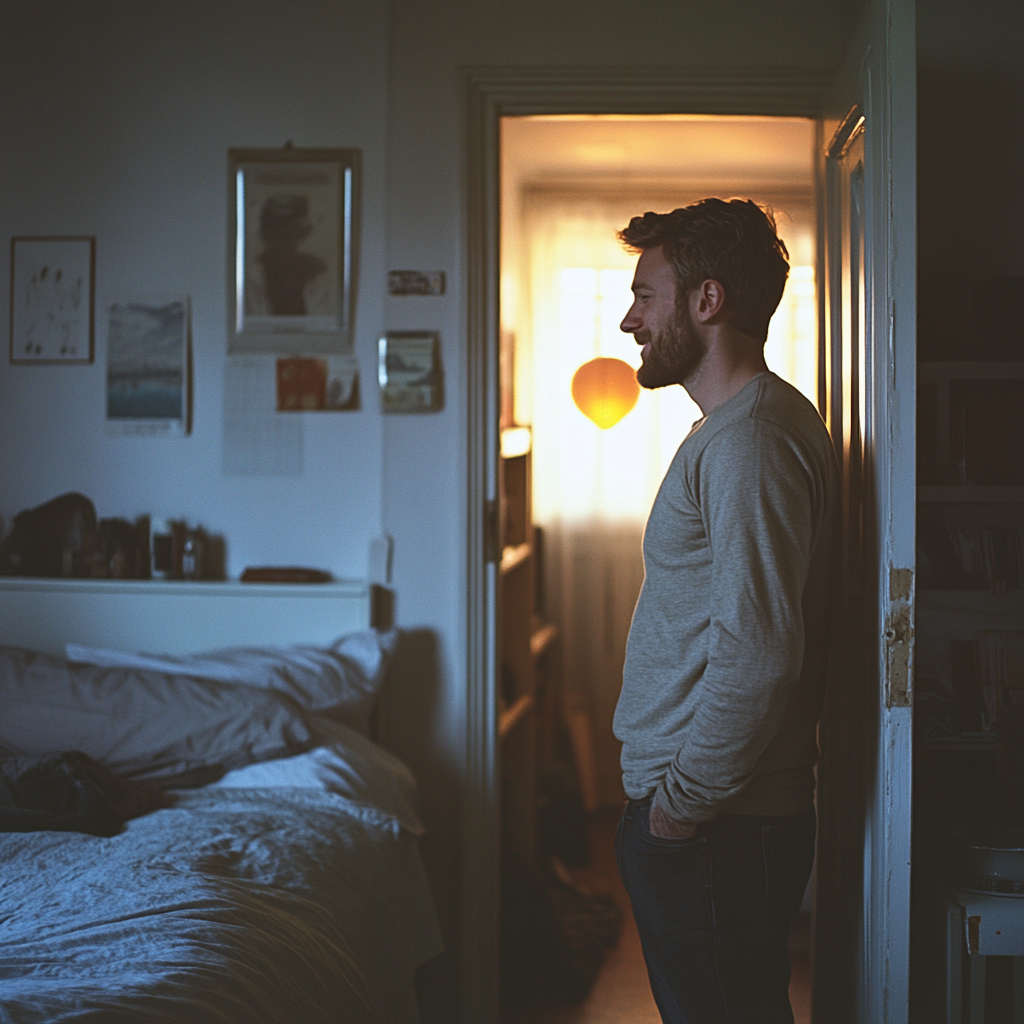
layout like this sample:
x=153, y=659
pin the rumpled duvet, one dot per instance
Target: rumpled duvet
x=235, y=905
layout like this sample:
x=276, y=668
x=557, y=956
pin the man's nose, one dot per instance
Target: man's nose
x=631, y=321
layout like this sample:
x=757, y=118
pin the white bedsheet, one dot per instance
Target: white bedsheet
x=283, y=904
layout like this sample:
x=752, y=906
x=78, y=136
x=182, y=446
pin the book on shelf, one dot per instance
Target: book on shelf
x=987, y=432
x=955, y=555
x=999, y=671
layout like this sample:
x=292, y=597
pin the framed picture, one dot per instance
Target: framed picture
x=307, y=384
x=149, y=366
x=409, y=372
x=52, y=299
x=292, y=237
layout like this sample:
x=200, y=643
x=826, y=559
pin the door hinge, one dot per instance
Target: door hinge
x=898, y=636
x=492, y=545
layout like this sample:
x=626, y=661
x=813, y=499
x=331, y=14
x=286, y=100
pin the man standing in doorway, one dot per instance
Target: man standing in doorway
x=726, y=658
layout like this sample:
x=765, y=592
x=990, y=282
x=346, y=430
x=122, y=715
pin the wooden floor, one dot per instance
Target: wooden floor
x=622, y=994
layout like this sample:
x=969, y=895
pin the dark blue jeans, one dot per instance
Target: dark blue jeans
x=713, y=912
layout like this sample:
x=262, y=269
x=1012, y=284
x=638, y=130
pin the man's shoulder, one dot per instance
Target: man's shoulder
x=769, y=413
x=766, y=400
x=774, y=408
x=778, y=401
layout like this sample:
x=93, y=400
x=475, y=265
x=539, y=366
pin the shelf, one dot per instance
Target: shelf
x=542, y=639
x=172, y=617
x=970, y=493
x=974, y=369
x=979, y=600
x=514, y=556
x=179, y=588
x=511, y=717
x=966, y=741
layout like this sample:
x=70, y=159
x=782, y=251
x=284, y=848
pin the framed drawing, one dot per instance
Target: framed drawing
x=149, y=366
x=52, y=299
x=409, y=372
x=292, y=237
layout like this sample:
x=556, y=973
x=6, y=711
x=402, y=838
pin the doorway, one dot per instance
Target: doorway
x=568, y=183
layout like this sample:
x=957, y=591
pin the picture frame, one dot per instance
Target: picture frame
x=409, y=372
x=149, y=365
x=317, y=384
x=292, y=244
x=53, y=299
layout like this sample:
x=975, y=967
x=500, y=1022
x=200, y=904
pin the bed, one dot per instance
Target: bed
x=281, y=882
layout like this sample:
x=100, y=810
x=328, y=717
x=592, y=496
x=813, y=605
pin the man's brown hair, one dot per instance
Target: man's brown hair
x=734, y=243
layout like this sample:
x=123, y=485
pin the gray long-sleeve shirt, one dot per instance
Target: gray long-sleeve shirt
x=726, y=658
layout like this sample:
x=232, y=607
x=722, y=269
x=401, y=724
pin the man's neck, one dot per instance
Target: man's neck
x=733, y=360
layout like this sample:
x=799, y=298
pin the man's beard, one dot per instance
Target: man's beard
x=673, y=355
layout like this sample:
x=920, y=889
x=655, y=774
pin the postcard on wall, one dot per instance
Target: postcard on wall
x=149, y=366
x=292, y=250
x=52, y=299
x=409, y=372
x=307, y=384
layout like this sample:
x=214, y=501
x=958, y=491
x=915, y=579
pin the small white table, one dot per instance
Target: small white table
x=988, y=925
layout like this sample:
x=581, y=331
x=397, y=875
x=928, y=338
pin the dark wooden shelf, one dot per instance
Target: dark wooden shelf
x=542, y=639
x=514, y=556
x=968, y=493
x=965, y=741
x=512, y=716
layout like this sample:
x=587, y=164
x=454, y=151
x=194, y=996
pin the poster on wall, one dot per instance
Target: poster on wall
x=291, y=260
x=149, y=366
x=307, y=384
x=52, y=299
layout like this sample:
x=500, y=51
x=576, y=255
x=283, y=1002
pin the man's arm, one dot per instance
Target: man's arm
x=757, y=503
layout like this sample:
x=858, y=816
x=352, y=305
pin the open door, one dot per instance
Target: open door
x=867, y=395
x=862, y=941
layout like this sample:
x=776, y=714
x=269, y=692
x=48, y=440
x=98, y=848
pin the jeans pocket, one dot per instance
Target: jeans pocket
x=666, y=842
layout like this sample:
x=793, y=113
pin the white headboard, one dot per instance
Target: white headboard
x=158, y=617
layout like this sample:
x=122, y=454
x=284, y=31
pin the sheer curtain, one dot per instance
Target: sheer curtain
x=593, y=488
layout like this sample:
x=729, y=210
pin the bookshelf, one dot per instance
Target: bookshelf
x=970, y=525
x=528, y=700
x=969, y=623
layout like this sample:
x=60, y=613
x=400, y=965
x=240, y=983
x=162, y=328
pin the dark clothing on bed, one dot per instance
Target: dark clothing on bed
x=70, y=792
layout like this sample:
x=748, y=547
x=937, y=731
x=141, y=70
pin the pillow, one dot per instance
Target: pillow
x=341, y=680
x=174, y=730
x=381, y=788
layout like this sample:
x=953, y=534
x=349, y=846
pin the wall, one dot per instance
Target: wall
x=970, y=162
x=115, y=121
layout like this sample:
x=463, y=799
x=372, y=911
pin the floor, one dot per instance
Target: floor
x=621, y=994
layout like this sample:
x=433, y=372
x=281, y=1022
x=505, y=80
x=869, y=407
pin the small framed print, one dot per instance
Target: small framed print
x=307, y=384
x=292, y=237
x=52, y=299
x=409, y=372
x=149, y=366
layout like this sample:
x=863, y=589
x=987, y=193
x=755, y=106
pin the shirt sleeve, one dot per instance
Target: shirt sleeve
x=756, y=497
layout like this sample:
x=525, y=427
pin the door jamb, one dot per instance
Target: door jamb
x=488, y=94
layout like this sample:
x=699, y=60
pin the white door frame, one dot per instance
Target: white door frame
x=488, y=95
x=869, y=725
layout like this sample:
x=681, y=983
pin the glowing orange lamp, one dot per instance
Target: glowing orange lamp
x=604, y=390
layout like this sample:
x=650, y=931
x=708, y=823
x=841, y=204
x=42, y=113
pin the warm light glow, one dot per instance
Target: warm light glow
x=605, y=390
x=515, y=441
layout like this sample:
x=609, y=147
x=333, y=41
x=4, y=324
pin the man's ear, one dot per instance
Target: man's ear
x=709, y=299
